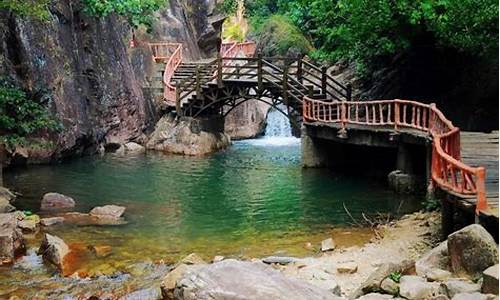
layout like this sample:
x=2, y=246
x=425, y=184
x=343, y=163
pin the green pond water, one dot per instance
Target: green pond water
x=251, y=200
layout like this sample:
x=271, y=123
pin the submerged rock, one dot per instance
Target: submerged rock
x=82, y=219
x=230, y=279
x=192, y=259
x=51, y=221
x=56, y=201
x=11, y=238
x=53, y=250
x=101, y=251
x=472, y=249
x=108, y=211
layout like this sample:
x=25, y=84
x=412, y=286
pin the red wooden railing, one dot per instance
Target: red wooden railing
x=448, y=172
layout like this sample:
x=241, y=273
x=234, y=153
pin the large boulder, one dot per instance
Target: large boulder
x=232, y=279
x=56, y=201
x=11, y=238
x=472, y=249
x=188, y=136
x=490, y=280
x=53, y=250
x=374, y=281
x=436, y=258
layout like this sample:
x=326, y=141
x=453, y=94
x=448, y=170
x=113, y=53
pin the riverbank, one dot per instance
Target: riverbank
x=406, y=238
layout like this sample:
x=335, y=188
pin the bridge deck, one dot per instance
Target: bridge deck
x=481, y=149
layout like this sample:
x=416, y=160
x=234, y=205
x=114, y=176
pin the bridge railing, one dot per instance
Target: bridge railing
x=448, y=172
x=162, y=51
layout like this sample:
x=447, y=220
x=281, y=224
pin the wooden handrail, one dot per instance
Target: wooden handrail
x=448, y=171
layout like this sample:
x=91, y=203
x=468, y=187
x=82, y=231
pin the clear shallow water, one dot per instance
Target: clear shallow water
x=251, y=200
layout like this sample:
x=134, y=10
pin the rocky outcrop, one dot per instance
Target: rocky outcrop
x=188, y=136
x=11, y=238
x=472, y=249
x=51, y=221
x=56, y=201
x=248, y=120
x=245, y=280
x=53, y=250
x=6, y=197
x=437, y=258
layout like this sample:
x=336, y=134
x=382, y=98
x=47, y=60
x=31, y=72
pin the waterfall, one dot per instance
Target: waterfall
x=278, y=124
x=278, y=131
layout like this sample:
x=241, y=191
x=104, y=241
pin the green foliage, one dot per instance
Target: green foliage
x=395, y=276
x=227, y=7
x=233, y=32
x=282, y=37
x=431, y=204
x=37, y=9
x=136, y=11
x=363, y=30
x=20, y=115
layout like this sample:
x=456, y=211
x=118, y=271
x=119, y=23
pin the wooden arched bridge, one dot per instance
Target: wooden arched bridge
x=216, y=86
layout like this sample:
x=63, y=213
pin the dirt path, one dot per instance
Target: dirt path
x=407, y=238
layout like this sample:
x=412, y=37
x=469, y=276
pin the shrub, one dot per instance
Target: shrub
x=20, y=115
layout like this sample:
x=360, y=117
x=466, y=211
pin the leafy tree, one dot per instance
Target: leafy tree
x=21, y=115
x=362, y=30
x=136, y=11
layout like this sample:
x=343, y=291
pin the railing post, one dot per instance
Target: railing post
x=259, y=72
x=285, y=84
x=432, y=108
x=481, y=202
x=198, y=82
x=299, y=70
x=219, y=70
x=323, y=80
x=349, y=92
x=178, y=101
x=396, y=114
x=310, y=91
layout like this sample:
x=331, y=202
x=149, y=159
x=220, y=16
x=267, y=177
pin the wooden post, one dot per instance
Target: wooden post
x=198, y=82
x=396, y=114
x=178, y=101
x=259, y=72
x=219, y=70
x=310, y=91
x=323, y=80
x=285, y=83
x=481, y=202
x=349, y=92
x=299, y=70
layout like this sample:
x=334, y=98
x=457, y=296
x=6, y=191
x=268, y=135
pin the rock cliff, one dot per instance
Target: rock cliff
x=91, y=80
